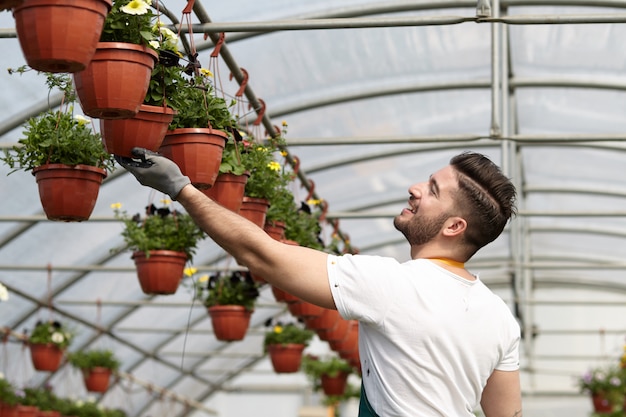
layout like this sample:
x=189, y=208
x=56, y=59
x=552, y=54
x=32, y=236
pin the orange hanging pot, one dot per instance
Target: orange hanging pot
x=254, y=209
x=60, y=35
x=197, y=151
x=46, y=356
x=228, y=191
x=286, y=358
x=146, y=129
x=275, y=229
x=97, y=378
x=161, y=271
x=230, y=322
x=334, y=385
x=115, y=83
x=68, y=193
x=303, y=309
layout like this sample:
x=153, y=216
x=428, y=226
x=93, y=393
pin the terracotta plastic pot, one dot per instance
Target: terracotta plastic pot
x=68, y=193
x=27, y=411
x=115, y=83
x=275, y=229
x=230, y=323
x=304, y=310
x=145, y=130
x=254, y=209
x=286, y=358
x=198, y=153
x=228, y=191
x=97, y=379
x=161, y=272
x=334, y=385
x=46, y=357
x=60, y=35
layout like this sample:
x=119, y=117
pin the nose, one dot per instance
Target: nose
x=415, y=190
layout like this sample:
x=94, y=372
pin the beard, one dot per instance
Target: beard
x=419, y=230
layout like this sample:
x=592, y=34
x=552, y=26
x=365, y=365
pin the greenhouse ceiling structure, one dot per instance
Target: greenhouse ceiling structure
x=377, y=95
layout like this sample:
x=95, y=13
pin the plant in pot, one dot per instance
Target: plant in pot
x=330, y=374
x=44, y=399
x=147, y=128
x=64, y=154
x=162, y=242
x=200, y=128
x=285, y=344
x=229, y=300
x=96, y=365
x=8, y=398
x=606, y=387
x=48, y=341
x=115, y=83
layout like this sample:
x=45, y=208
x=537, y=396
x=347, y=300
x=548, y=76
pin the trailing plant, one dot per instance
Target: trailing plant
x=267, y=175
x=166, y=78
x=315, y=367
x=130, y=22
x=7, y=393
x=89, y=359
x=51, y=332
x=236, y=288
x=58, y=136
x=160, y=229
x=232, y=160
x=290, y=333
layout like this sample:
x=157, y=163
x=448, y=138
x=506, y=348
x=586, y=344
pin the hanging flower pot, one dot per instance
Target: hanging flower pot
x=350, y=342
x=68, y=193
x=9, y=4
x=114, y=84
x=324, y=322
x=27, y=411
x=97, y=378
x=46, y=357
x=286, y=358
x=303, y=309
x=48, y=413
x=7, y=410
x=601, y=404
x=146, y=129
x=338, y=332
x=275, y=229
x=228, y=191
x=197, y=151
x=334, y=385
x=59, y=35
x=230, y=322
x=161, y=271
x=254, y=209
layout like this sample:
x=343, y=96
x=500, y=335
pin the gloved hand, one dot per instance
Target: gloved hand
x=154, y=170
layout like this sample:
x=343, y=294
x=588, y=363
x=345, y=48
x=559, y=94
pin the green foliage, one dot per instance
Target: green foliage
x=42, y=398
x=58, y=137
x=289, y=333
x=232, y=159
x=130, y=25
x=282, y=207
x=166, y=78
x=53, y=332
x=315, y=367
x=237, y=288
x=197, y=105
x=267, y=176
x=161, y=229
x=302, y=226
x=7, y=393
x=610, y=382
x=90, y=359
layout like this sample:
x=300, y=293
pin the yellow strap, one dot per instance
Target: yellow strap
x=449, y=261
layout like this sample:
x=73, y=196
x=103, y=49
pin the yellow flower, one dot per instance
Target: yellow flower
x=278, y=329
x=274, y=166
x=284, y=123
x=313, y=202
x=166, y=201
x=136, y=7
x=82, y=120
x=190, y=271
x=283, y=153
x=206, y=72
x=116, y=206
x=261, y=149
x=203, y=278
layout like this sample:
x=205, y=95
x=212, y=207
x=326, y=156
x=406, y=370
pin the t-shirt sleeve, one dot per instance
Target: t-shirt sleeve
x=510, y=357
x=360, y=285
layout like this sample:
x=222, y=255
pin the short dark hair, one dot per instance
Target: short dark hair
x=486, y=198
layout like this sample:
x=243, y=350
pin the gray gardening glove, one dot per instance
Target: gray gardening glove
x=154, y=170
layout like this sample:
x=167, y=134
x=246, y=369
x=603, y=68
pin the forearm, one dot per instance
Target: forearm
x=300, y=271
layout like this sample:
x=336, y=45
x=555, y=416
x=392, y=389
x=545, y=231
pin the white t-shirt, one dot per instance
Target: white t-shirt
x=428, y=339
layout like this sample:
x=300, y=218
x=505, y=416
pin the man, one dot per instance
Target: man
x=433, y=339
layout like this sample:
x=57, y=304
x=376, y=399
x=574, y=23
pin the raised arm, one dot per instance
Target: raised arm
x=502, y=395
x=298, y=270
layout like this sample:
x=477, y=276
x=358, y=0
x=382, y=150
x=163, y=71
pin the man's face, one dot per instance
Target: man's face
x=430, y=205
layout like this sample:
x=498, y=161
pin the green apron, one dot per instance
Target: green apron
x=365, y=409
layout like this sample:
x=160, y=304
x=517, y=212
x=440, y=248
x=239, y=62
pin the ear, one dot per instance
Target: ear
x=454, y=226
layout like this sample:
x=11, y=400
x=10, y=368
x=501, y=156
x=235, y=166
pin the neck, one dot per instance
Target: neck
x=450, y=262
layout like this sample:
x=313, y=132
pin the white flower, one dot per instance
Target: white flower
x=1, y=375
x=154, y=44
x=168, y=34
x=4, y=293
x=136, y=7
x=82, y=120
x=57, y=337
